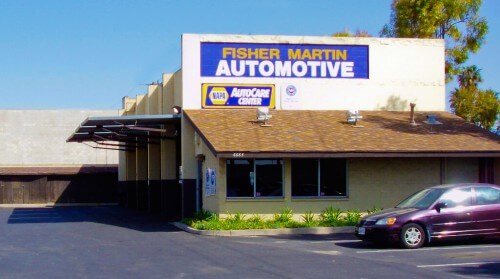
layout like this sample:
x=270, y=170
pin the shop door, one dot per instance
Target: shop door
x=199, y=186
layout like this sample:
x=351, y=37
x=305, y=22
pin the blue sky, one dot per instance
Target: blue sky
x=89, y=54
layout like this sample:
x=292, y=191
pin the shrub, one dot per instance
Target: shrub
x=285, y=216
x=203, y=215
x=256, y=218
x=352, y=217
x=375, y=209
x=331, y=216
x=236, y=218
x=206, y=220
x=308, y=219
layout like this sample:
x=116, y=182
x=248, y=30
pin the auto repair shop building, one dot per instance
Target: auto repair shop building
x=335, y=127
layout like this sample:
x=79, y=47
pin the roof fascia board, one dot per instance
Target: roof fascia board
x=242, y=154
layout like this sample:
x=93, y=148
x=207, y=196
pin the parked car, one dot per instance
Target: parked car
x=442, y=212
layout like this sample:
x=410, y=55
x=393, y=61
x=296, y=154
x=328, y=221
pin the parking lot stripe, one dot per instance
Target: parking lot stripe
x=427, y=249
x=456, y=264
x=335, y=241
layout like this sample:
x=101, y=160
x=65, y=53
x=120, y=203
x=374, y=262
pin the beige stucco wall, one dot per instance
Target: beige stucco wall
x=400, y=71
x=212, y=202
x=156, y=161
x=168, y=151
x=373, y=182
x=168, y=93
x=461, y=170
x=188, y=160
x=38, y=138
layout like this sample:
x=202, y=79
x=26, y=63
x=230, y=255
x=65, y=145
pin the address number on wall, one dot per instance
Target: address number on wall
x=238, y=155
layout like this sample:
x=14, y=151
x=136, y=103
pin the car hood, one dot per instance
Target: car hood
x=391, y=212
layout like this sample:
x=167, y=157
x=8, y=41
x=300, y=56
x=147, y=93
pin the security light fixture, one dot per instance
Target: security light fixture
x=177, y=109
x=353, y=117
x=263, y=116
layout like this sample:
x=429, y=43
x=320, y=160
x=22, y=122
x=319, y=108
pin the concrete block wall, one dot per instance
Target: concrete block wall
x=38, y=138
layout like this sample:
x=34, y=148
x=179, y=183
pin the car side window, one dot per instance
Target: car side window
x=487, y=195
x=457, y=197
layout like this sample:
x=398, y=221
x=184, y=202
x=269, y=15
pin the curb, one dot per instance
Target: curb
x=264, y=232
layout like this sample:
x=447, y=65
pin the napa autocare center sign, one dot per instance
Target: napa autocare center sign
x=284, y=60
x=219, y=95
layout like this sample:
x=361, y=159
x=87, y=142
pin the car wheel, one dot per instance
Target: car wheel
x=412, y=236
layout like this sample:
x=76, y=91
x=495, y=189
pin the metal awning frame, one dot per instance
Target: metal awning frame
x=131, y=131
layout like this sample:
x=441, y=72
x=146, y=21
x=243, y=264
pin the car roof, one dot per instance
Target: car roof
x=462, y=185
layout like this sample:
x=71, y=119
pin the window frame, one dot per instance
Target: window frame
x=254, y=170
x=318, y=183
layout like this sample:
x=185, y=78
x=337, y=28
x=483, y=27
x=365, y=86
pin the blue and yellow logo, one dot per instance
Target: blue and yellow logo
x=218, y=95
x=237, y=96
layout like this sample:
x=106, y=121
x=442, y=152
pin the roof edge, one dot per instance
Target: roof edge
x=243, y=154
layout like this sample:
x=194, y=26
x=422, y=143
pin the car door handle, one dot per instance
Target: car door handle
x=468, y=213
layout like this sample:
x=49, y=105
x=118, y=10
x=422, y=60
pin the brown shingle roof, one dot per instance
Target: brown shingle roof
x=296, y=132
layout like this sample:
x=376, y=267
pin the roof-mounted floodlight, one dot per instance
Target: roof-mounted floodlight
x=177, y=109
x=353, y=117
x=263, y=116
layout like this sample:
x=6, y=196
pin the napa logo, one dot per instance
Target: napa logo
x=218, y=95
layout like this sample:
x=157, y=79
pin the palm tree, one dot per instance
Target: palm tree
x=470, y=76
x=480, y=107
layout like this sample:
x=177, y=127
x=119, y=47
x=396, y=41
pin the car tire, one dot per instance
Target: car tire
x=412, y=236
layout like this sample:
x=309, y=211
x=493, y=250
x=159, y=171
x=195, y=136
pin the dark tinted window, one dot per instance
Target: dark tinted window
x=333, y=177
x=269, y=178
x=487, y=195
x=239, y=178
x=305, y=177
x=254, y=178
x=319, y=177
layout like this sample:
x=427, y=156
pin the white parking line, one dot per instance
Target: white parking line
x=456, y=264
x=427, y=249
x=334, y=241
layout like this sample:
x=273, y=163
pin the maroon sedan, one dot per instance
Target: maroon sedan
x=442, y=212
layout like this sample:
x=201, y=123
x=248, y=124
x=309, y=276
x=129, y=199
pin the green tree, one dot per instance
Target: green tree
x=480, y=107
x=456, y=21
x=469, y=77
x=348, y=33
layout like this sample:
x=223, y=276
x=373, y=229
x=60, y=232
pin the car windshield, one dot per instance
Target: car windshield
x=422, y=199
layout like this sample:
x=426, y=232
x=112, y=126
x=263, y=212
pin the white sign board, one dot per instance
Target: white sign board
x=210, y=182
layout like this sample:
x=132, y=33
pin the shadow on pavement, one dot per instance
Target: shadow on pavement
x=487, y=270
x=443, y=243
x=109, y=215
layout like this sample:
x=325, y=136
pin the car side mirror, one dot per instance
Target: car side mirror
x=439, y=206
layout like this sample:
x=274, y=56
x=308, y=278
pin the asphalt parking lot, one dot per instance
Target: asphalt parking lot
x=113, y=242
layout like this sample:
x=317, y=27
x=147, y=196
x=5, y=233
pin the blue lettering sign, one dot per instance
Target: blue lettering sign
x=284, y=60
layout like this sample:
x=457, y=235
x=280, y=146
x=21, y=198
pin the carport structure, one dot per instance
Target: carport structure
x=129, y=132
x=149, y=147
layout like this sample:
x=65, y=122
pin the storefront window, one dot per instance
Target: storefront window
x=319, y=178
x=254, y=178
